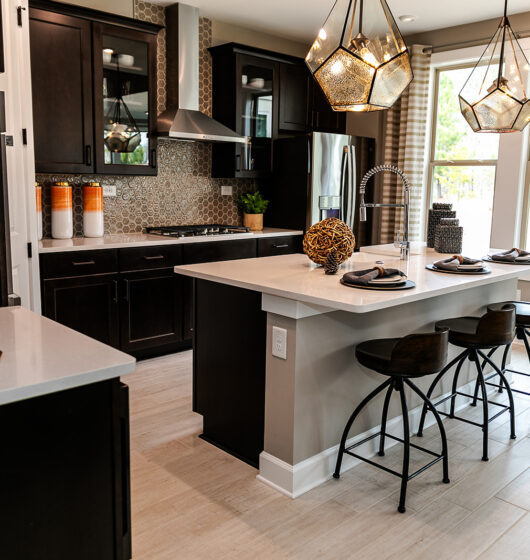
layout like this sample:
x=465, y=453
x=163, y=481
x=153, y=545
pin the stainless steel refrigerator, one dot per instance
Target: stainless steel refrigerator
x=317, y=176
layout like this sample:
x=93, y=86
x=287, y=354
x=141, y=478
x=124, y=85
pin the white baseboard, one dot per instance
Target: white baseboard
x=295, y=480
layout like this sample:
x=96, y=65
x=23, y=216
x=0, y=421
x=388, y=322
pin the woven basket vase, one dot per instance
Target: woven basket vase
x=326, y=235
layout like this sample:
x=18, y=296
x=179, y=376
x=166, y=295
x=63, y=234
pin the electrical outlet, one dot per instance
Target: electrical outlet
x=109, y=190
x=518, y=296
x=226, y=190
x=279, y=343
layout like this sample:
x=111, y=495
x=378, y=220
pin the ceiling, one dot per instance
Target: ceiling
x=301, y=19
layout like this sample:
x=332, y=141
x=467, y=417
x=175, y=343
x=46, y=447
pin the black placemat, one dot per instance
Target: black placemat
x=489, y=259
x=461, y=272
x=406, y=286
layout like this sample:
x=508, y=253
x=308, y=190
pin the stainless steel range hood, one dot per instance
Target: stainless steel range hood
x=182, y=120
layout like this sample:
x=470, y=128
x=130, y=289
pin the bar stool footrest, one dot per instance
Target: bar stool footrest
x=437, y=456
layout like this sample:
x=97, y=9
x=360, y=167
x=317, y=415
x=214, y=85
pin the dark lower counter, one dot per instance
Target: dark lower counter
x=65, y=476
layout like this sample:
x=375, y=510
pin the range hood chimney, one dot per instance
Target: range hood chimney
x=182, y=119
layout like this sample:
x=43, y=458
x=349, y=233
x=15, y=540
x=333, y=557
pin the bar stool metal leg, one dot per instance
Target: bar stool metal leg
x=508, y=391
x=461, y=356
x=445, y=451
x=356, y=412
x=388, y=396
x=455, y=386
x=406, y=450
x=485, y=415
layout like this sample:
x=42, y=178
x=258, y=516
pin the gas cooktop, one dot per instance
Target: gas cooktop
x=192, y=231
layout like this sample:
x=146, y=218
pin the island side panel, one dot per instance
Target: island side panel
x=229, y=367
x=326, y=383
x=64, y=475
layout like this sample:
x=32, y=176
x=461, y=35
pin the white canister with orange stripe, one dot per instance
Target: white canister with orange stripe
x=38, y=200
x=62, y=216
x=93, y=210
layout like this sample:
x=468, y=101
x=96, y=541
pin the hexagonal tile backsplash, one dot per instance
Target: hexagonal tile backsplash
x=184, y=191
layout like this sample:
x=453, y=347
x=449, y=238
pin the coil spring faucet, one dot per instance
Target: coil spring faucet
x=402, y=237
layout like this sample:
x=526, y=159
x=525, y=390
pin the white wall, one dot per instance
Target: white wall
x=121, y=7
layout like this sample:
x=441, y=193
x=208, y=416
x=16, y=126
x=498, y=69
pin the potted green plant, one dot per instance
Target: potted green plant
x=253, y=205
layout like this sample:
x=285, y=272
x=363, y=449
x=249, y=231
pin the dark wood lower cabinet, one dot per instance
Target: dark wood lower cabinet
x=88, y=304
x=150, y=311
x=65, y=477
x=131, y=298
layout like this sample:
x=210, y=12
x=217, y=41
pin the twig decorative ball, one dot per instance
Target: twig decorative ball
x=327, y=235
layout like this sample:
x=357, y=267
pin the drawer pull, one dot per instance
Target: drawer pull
x=285, y=245
x=84, y=263
x=155, y=258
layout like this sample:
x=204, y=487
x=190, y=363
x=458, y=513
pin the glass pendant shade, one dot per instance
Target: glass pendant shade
x=495, y=96
x=359, y=57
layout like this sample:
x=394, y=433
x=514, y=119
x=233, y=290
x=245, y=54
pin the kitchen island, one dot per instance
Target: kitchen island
x=287, y=414
x=64, y=472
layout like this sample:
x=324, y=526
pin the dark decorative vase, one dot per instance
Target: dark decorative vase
x=438, y=211
x=448, y=236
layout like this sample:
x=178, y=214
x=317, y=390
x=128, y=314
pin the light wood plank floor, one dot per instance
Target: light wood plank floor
x=192, y=501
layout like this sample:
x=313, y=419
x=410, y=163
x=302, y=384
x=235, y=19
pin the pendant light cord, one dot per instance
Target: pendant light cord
x=504, y=24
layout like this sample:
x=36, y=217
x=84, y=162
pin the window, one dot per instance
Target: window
x=463, y=163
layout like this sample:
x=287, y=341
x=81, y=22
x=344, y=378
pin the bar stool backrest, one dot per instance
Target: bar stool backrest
x=497, y=326
x=420, y=354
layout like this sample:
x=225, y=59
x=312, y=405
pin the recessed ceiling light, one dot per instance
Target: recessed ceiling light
x=407, y=18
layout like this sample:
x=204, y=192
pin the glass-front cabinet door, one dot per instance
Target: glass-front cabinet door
x=125, y=110
x=256, y=112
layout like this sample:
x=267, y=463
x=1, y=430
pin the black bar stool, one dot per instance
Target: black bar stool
x=400, y=359
x=475, y=334
x=522, y=324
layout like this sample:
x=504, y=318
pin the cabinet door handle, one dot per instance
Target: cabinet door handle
x=115, y=298
x=285, y=245
x=155, y=258
x=84, y=263
x=153, y=157
x=126, y=296
x=88, y=155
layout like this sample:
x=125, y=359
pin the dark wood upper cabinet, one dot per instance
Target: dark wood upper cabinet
x=61, y=71
x=322, y=116
x=136, y=83
x=245, y=98
x=294, y=88
x=263, y=94
x=74, y=88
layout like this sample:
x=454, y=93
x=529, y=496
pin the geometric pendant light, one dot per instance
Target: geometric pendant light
x=359, y=57
x=495, y=96
x=122, y=135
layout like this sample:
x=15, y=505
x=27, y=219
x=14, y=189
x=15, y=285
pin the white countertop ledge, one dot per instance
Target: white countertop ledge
x=121, y=241
x=40, y=357
x=295, y=277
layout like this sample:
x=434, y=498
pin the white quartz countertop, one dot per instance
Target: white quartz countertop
x=296, y=277
x=40, y=357
x=119, y=241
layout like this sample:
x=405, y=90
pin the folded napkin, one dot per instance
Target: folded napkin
x=459, y=263
x=513, y=255
x=364, y=277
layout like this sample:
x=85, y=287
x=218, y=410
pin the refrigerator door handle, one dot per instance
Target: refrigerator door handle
x=351, y=189
x=343, y=187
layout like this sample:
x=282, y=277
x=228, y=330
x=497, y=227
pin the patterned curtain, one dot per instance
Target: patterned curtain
x=406, y=143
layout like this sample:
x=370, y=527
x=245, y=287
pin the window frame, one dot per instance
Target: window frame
x=432, y=163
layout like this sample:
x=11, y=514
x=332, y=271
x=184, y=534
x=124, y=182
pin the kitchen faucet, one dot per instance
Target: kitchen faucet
x=402, y=237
